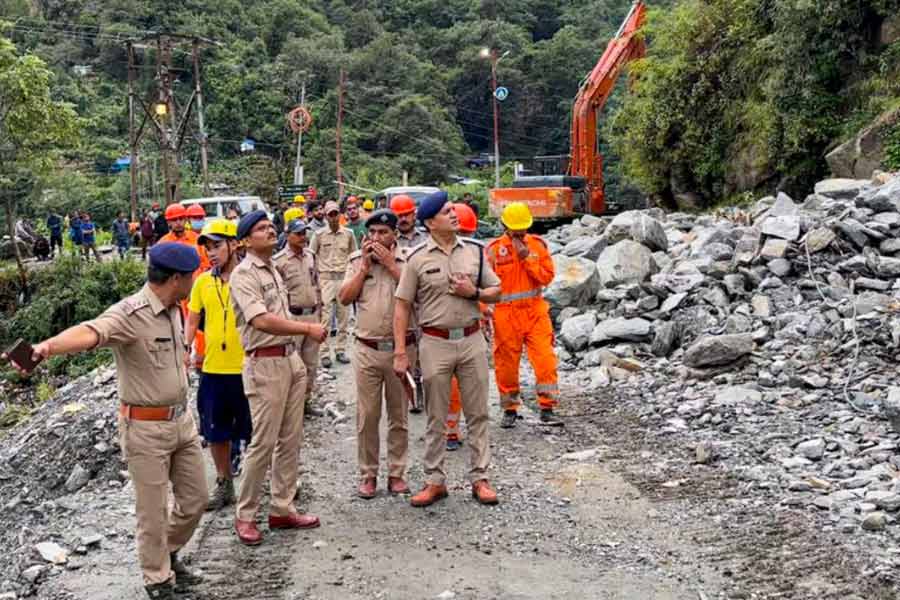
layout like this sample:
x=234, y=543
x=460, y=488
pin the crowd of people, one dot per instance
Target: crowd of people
x=257, y=306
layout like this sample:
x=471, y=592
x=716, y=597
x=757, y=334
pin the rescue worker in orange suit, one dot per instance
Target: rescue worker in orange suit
x=522, y=316
x=468, y=226
x=177, y=217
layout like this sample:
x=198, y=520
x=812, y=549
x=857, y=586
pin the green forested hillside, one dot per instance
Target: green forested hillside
x=418, y=93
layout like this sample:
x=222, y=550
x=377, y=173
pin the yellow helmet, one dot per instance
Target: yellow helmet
x=294, y=213
x=219, y=229
x=368, y=204
x=299, y=199
x=516, y=216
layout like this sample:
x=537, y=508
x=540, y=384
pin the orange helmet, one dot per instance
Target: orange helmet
x=468, y=222
x=195, y=211
x=403, y=205
x=175, y=211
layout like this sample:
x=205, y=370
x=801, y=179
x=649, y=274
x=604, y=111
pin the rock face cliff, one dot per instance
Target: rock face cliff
x=858, y=157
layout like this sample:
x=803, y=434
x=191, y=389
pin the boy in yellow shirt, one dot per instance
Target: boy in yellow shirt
x=221, y=403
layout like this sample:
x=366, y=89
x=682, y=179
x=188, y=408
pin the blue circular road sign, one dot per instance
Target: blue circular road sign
x=501, y=93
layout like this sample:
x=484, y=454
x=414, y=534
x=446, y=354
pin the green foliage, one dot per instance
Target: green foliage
x=736, y=94
x=892, y=149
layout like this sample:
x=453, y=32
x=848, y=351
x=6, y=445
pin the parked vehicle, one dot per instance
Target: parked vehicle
x=217, y=206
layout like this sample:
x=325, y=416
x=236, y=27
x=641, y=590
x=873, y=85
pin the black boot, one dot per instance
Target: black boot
x=161, y=591
x=509, y=419
x=550, y=419
x=183, y=576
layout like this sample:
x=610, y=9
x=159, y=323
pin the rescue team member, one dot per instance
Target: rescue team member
x=297, y=266
x=274, y=380
x=446, y=277
x=522, y=317
x=196, y=217
x=333, y=246
x=371, y=282
x=176, y=219
x=468, y=225
x=157, y=434
x=368, y=207
x=408, y=235
x=221, y=403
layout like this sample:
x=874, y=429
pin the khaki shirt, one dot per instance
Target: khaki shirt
x=426, y=282
x=413, y=239
x=333, y=250
x=147, y=340
x=301, y=277
x=257, y=288
x=375, y=304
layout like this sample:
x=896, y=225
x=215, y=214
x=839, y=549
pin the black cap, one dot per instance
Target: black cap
x=248, y=221
x=297, y=226
x=382, y=216
x=175, y=256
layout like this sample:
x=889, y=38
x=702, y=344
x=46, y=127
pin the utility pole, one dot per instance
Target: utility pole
x=132, y=134
x=496, y=119
x=298, y=167
x=340, y=119
x=198, y=94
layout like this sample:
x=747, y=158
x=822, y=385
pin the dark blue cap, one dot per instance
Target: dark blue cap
x=382, y=216
x=248, y=221
x=431, y=205
x=296, y=226
x=175, y=256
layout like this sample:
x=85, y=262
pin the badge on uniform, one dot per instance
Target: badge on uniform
x=503, y=251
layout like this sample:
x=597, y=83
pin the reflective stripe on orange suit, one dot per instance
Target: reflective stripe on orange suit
x=522, y=318
x=189, y=238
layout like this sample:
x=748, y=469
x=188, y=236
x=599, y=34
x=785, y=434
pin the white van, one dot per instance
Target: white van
x=217, y=206
x=416, y=192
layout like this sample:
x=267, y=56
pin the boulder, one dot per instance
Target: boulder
x=637, y=226
x=819, y=239
x=576, y=282
x=683, y=278
x=748, y=246
x=632, y=330
x=624, y=262
x=859, y=156
x=774, y=248
x=714, y=350
x=665, y=338
x=786, y=228
x=840, y=189
x=575, y=332
x=586, y=247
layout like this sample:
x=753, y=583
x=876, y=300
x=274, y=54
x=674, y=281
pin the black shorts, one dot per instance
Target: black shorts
x=223, y=407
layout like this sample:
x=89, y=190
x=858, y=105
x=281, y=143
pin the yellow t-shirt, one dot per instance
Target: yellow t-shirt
x=211, y=296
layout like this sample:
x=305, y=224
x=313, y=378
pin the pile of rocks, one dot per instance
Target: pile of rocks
x=768, y=332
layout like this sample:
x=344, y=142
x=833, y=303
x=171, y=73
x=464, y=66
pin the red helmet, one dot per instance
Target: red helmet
x=195, y=211
x=175, y=211
x=468, y=222
x=402, y=205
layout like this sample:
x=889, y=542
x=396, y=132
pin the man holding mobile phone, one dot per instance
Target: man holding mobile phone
x=371, y=282
x=157, y=433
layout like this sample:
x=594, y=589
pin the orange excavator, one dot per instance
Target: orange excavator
x=580, y=191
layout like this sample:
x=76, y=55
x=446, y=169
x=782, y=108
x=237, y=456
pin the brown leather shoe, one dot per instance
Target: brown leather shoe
x=366, y=488
x=429, y=495
x=483, y=492
x=248, y=533
x=294, y=521
x=396, y=485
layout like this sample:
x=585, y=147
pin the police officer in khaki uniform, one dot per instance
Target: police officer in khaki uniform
x=446, y=277
x=274, y=381
x=371, y=282
x=297, y=265
x=157, y=434
x=333, y=246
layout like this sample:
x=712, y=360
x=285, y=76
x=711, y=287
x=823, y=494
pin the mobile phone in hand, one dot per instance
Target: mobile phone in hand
x=21, y=354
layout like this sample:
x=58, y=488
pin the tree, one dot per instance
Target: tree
x=33, y=130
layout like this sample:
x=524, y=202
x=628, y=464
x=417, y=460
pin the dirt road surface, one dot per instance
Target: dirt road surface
x=602, y=509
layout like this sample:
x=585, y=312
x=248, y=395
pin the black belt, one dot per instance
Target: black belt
x=300, y=311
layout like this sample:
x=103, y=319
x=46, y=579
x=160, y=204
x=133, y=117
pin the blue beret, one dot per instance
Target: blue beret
x=431, y=205
x=382, y=216
x=248, y=221
x=297, y=226
x=175, y=256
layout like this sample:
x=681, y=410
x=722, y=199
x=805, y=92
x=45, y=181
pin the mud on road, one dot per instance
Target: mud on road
x=608, y=508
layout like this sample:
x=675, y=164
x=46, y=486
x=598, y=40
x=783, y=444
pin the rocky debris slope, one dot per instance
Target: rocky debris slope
x=769, y=333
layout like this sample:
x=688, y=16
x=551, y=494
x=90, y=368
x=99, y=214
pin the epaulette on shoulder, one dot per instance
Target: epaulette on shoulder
x=473, y=241
x=410, y=252
x=355, y=254
x=280, y=253
x=134, y=303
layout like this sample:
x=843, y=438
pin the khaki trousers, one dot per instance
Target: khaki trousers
x=442, y=359
x=309, y=354
x=375, y=378
x=275, y=388
x=158, y=452
x=330, y=289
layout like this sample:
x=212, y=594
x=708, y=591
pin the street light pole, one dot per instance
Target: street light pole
x=496, y=119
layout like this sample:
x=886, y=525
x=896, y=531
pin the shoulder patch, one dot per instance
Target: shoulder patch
x=472, y=241
x=279, y=254
x=132, y=304
x=410, y=252
x=356, y=254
